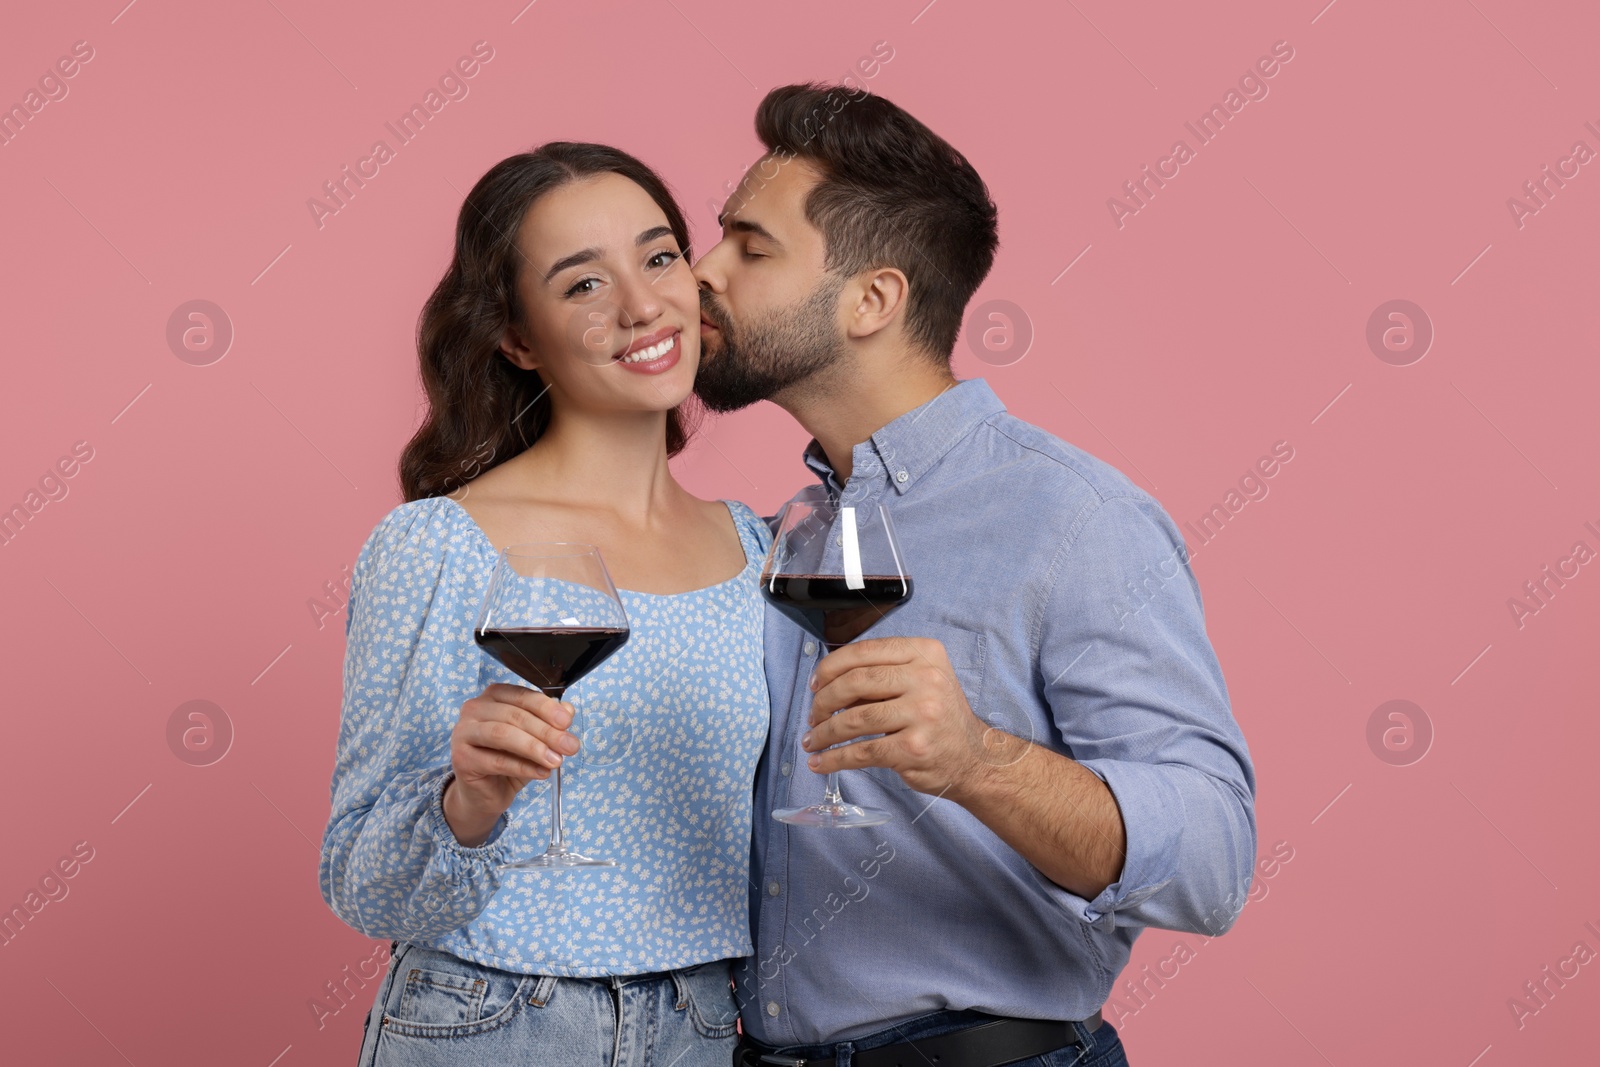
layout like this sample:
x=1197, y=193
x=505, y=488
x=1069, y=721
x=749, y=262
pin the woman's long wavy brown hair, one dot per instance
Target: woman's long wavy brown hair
x=482, y=408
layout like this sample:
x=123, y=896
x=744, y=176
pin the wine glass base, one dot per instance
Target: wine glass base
x=832, y=816
x=557, y=861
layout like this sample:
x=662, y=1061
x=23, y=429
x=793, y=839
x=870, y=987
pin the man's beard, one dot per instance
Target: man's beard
x=769, y=353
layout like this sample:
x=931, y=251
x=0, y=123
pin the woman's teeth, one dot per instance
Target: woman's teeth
x=655, y=351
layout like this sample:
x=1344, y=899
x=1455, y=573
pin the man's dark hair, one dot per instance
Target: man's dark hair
x=892, y=194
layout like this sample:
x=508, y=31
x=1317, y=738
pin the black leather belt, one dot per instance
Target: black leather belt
x=989, y=1044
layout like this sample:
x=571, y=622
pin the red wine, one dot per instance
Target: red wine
x=550, y=659
x=829, y=609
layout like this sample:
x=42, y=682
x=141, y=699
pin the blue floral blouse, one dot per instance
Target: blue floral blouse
x=674, y=812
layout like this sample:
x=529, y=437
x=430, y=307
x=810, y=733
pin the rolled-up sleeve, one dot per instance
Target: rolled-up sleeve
x=391, y=867
x=1138, y=698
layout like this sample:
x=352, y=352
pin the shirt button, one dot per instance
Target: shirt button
x=901, y=476
x=811, y=648
x=786, y=768
x=773, y=888
x=838, y=540
x=772, y=1008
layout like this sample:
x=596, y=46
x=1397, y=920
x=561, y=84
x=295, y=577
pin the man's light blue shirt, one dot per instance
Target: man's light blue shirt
x=1063, y=596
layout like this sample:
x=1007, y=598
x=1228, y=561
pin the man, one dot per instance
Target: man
x=1045, y=717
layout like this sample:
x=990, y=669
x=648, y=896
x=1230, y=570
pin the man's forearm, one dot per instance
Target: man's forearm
x=1055, y=812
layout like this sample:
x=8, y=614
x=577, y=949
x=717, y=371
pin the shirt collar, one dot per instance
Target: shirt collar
x=914, y=443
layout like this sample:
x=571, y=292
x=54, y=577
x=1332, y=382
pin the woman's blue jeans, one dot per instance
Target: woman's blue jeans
x=434, y=1009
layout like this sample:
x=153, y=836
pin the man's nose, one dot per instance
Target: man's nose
x=705, y=271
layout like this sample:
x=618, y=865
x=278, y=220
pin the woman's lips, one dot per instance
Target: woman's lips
x=639, y=343
x=664, y=355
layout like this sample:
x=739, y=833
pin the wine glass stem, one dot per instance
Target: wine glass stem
x=830, y=788
x=830, y=791
x=558, y=842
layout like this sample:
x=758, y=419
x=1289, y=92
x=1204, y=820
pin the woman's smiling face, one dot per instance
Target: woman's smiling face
x=612, y=311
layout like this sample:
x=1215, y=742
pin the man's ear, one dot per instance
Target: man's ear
x=880, y=299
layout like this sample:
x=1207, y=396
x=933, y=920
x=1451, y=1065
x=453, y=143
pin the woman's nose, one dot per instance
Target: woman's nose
x=640, y=303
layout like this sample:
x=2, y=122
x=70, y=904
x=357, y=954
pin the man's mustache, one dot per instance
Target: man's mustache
x=713, y=311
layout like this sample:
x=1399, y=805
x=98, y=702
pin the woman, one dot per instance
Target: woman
x=555, y=353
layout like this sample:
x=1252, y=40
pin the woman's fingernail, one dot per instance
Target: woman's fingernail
x=814, y=762
x=805, y=742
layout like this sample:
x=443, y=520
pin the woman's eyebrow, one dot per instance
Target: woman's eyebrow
x=582, y=256
x=586, y=255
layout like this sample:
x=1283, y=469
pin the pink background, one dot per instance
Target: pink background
x=1228, y=314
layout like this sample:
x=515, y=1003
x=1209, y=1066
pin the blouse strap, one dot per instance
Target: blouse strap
x=746, y=520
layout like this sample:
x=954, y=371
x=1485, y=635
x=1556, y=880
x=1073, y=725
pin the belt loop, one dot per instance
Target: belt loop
x=680, y=987
x=1083, y=1039
x=843, y=1054
x=542, y=990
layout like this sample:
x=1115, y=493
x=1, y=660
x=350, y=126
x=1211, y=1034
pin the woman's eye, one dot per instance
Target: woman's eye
x=663, y=258
x=578, y=286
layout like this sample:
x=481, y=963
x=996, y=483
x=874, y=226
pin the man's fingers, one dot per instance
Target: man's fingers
x=874, y=753
x=886, y=650
x=873, y=681
x=859, y=721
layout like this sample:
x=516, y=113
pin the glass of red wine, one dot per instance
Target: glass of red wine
x=551, y=615
x=834, y=570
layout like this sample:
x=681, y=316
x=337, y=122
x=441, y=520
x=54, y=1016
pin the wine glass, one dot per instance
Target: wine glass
x=836, y=570
x=551, y=615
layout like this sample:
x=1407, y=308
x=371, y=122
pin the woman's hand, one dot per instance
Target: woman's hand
x=505, y=738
